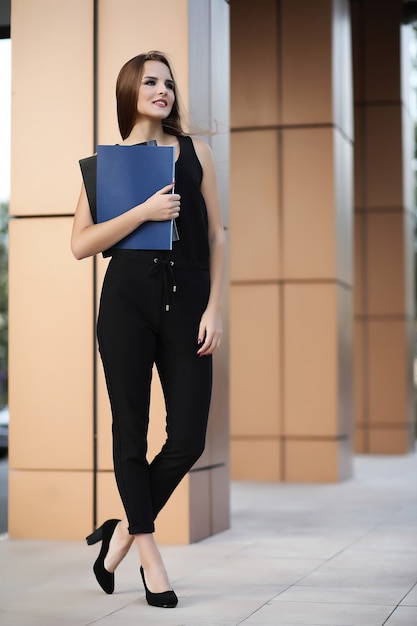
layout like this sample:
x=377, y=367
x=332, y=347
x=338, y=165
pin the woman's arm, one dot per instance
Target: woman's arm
x=210, y=331
x=88, y=238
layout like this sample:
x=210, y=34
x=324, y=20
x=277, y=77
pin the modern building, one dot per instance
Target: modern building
x=309, y=104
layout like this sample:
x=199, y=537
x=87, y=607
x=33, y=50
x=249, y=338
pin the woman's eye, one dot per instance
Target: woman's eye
x=150, y=82
x=170, y=85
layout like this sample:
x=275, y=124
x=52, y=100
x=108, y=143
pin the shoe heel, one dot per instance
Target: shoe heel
x=96, y=536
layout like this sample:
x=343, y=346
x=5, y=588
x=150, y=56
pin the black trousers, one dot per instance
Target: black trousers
x=135, y=331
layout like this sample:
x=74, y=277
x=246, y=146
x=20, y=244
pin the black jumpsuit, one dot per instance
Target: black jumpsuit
x=150, y=309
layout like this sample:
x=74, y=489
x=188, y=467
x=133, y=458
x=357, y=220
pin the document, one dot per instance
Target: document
x=126, y=177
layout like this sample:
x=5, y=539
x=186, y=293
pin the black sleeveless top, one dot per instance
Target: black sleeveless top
x=191, y=251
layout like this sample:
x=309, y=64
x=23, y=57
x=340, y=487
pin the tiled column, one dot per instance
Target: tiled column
x=384, y=227
x=61, y=479
x=291, y=233
x=50, y=295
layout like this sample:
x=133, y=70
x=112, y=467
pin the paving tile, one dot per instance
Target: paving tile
x=358, y=569
x=319, y=614
x=238, y=571
x=390, y=538
x=296, y=546
x=403, y=616
x=22, y=618
x=344, y=595
x=411, y=598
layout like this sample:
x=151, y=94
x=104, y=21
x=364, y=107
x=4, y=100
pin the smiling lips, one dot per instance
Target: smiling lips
x=160, y=103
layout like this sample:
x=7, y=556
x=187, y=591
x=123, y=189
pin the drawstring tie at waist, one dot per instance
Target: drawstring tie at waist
x=167, y=267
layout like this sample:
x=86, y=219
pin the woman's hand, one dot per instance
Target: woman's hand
x=162, y=206
x=209, y=332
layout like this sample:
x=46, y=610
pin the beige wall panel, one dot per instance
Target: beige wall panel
x=109, y=504
x=255, y=360
x=381, y=61
x=50, y=505
x=122, y=37
x=406, y=37
x=254, y=93
x=200, y=505
x=360, y=439
x=359, y=368
x=254, y=214
x=308, y=203
x=217, y=442
x=356, y=13
x=342, y=72
x=312, y=461
x=345, y=355
x=256, y=459
x=360, y=300
x=51, y=339
x=409, y=270
x=388, y=398
x=306, y=40
x=52, y=69
x=219, y=418
x=220, y=498
x=359, y=162
x=345, y=458
x=385, y=264
x=218, y=113
x=344, y=214
x=408, y=156
x=310, y=360
x=174, y=521
x=384, y=158
x=391, y=440
x=409, y=374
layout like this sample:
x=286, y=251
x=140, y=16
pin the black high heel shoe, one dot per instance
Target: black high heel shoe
x=165, y=599
x=104, y=533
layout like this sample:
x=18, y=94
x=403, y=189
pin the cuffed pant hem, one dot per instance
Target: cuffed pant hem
x=137, y=530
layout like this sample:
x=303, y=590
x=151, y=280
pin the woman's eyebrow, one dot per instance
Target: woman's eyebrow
x=167, y=80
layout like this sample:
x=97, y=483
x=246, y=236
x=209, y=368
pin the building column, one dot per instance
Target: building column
x=384, y=230
x=61, y=477
x=292, y=242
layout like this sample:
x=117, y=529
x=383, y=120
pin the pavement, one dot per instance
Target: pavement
x=331, y=554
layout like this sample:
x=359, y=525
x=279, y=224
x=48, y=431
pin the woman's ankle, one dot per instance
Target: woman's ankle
x=119, y=546
x=152, y=563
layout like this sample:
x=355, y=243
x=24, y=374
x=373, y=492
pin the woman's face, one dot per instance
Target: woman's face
x=156, y=91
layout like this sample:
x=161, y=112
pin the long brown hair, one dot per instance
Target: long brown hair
x=127, y=90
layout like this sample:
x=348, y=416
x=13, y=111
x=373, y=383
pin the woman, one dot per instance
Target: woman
x=137, y=330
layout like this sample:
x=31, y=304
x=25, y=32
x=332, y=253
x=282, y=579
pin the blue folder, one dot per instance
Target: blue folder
x=127, y=176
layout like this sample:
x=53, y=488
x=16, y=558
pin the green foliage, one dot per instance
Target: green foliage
x=4, y=221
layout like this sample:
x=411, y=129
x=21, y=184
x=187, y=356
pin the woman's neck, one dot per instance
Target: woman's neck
x=142, y=132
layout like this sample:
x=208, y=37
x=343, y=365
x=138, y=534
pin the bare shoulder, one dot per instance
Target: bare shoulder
x=203, y=151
